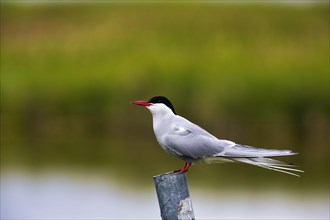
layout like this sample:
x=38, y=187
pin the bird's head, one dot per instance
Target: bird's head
x=157, y=105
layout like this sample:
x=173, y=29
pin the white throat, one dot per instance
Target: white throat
x=161, y=115
x=160, y=110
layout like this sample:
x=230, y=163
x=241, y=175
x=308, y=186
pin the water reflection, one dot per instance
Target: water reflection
x=63, y=196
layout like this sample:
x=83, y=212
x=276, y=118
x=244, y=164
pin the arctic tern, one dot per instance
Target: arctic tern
x=191, y=143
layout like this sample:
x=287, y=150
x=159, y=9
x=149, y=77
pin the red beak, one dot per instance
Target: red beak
x=143, y=103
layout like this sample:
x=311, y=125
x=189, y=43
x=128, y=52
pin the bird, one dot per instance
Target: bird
x=194, y=145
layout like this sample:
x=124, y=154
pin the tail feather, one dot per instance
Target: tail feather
x=271, y=161
x=240, y=151
x=270, y=164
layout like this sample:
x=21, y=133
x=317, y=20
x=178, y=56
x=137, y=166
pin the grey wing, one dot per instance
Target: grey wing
x=189, y=140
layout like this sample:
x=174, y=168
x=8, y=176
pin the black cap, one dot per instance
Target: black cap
x=164, y=100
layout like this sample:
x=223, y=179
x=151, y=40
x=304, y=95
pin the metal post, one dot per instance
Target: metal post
x=173, y=196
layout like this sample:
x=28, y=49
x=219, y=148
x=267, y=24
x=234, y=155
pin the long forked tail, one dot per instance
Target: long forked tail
x=270, y=164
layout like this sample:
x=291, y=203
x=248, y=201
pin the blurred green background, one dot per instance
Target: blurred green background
x=254, y=74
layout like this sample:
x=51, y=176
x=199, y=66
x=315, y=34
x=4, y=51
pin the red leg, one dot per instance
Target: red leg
x=184, y=169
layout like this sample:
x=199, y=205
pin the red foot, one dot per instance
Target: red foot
x=184, y=169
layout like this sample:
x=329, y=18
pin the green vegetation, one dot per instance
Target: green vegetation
x=256, y=74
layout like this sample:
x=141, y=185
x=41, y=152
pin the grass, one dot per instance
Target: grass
x=256, y=74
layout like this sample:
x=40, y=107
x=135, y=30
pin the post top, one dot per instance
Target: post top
x=169, y=174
